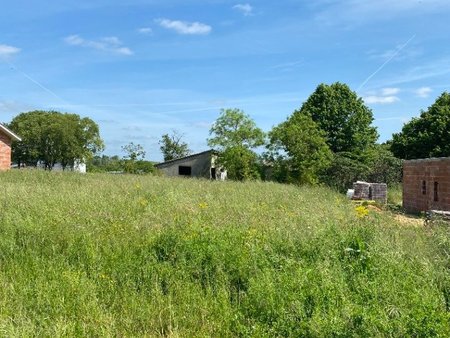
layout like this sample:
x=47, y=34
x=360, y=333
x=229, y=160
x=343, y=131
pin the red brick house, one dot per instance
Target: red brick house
x=6, y=138
x=426, y=184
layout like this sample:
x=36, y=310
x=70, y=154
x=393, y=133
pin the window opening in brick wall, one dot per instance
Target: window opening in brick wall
x=424, y=187
x=184, y=170
x=436, y=191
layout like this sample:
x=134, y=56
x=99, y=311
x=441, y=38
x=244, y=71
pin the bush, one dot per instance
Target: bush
x=375, y=165
x=345, y=169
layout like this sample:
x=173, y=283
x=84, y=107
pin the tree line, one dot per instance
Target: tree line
x=330, y=139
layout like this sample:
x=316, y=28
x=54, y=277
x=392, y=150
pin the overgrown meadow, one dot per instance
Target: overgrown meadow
x=105, y=255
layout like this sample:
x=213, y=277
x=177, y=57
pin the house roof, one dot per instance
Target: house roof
x=185, y=158
x=9, y=133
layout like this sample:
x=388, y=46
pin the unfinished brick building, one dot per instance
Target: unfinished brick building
x=6, y=138
x=426, y=184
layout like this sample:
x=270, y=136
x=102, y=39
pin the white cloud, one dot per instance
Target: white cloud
x=203, y=124
x=15, y=107
x=423, y=92
x=288, y=66
x=132, y=127
x=432, y=69
x=360, y=12
x=380, y=99
x=394, y=118
x=145, y=30
x=390, y=91
x=108, y=44
x=74, y=40
x=6, y=50
x=114, y=41
x=411, y=52
x=245, y=9
x=385, y=95
x=185, y=28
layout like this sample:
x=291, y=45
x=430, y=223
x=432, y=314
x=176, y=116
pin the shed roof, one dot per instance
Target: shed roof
x=9, y=133
x=185, y=158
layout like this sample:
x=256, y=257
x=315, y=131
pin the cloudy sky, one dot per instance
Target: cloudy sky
x=141, y=68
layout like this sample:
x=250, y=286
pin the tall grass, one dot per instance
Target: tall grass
x=101, y=255
x=395, y=196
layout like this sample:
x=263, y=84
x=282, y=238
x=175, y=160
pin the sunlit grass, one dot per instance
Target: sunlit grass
x=104, y=255
x=395, y=194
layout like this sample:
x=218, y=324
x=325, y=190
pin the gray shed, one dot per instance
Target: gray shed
x=196, y=165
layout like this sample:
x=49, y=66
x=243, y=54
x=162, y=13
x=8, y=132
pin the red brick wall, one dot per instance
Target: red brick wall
x=418, y=196
x=5, y=151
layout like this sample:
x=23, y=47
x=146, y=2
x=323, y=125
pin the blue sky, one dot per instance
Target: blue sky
x=141, y=68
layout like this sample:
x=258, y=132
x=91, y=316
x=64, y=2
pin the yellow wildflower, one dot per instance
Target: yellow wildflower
x=361, y=211
x=203, y=205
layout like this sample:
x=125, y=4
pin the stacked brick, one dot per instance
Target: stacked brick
x=370, y=191
x=426, y=184
x=379, y=192
x=5, y=151
x=361, y=190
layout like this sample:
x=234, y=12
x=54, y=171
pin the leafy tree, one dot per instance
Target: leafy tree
x=384, y=166
x=240, y=162
x=345, y=169
x=134, y=157
x=76, y=136
x=235, y=128
x=104, y=163
x=51, y=137
x=235, y=134
x=33, y=127
x=114, y=163
x=343, y=116
x=298, y=150
x=427, y=135
x=172, y=146
x=376, y=164
x=134, y=152
x=145, y=167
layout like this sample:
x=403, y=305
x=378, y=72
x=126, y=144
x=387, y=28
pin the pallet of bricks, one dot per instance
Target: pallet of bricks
x=364, y=191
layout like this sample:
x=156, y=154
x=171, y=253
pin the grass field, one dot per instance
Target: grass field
x=104, y=255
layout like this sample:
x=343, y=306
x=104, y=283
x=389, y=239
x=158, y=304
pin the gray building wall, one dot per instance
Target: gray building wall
x=200, y=165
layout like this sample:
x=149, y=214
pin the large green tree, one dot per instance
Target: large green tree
x=331, y=131
x=235, y=134
x=427, y=135
x=298, y=151
x=50, y=137
x=172, y=146
x=343, y=116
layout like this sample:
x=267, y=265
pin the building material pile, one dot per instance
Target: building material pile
x=370, y=191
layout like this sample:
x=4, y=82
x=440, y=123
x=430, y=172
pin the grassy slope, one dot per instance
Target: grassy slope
x=130, y=256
